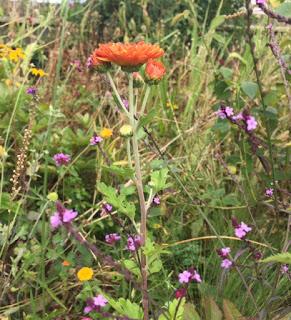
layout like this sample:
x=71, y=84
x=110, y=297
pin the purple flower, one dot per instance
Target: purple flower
x=224, y=252
x=284, y=268
x=95, y=140
x=112, y=238
x=125, y=103
x=241, y=230
x=196, y=277
x=77, y=64
x=32, y=91
x=89, y=62
x=106, y=209
x=61, y=216
x=95, y=304
x=55, y=220
x=251, y=123
x=61, y=159
x=224, y=112
x=226, y=264
x=261, y=1
x=157, y=200
x=239, y=116
x=69, y=215
x=100, y=301
x=269, y=192
x=185, y=276
x=133, y=243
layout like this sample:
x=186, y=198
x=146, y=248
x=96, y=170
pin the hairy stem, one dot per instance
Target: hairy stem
x=142, y=203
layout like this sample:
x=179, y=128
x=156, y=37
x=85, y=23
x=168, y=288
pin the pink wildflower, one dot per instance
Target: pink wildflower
x=269, y=192
x=133, y=243
x=157, y=200
x=61, y=216
x=196, y=277
x=224, y=252
x=95, y=140
x=185, y=276
x=112, y=238
x=261, y=1
x=284, y=268
x=251, y=123
x=224, y=112
x=241, y=230
x=226, y=264
x=95, y=303
x=61, y=159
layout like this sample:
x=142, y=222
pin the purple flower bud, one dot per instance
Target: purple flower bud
x=61, y=159
x=32, y=91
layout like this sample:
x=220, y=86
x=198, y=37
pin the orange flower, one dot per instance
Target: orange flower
x=127, y=54
x=85, y=274
x=66, y=263
x=155, y=70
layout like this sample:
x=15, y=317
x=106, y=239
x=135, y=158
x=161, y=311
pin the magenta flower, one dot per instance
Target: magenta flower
x=89, y=62
x=251, y=123
x=133, y=243
x=95, y=140
x=77, y=64
x=32, y=91
x=61, y=159
x=261, y=1
x=224, y=112
x=157, y=200
x=241, y=230
x=196, y=277
x=269, y=192
x=125, y=103
x=112, y=238
x=224, y=252
x=106, y=209
x=226, y=264
x=185, y=276
x=61, y=216
x=239, y=116
x=95, y=303
x=284, y=268
x=180, y=293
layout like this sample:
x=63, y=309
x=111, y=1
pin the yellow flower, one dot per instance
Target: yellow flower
x=126, y=131
x=53, y=196
x=3, y=153
x=171, y=105
x=106, y=133
x=38, y=72
x=16, y=54
x=85, y=274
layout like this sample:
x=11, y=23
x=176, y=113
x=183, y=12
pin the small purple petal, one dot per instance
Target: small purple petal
x=69, y=215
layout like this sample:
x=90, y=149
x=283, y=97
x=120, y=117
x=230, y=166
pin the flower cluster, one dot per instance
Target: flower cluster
x=61, y=159
x=223, y=253
x=269, y=192
x=189, y=275
x=240, y=229
x=61, y=216
x=95, y=140
x=11, y=54
x=95, y=304
x=112, y=238
x=133, y=243
x=249, y=122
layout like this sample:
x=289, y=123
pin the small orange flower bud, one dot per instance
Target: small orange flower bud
x=154, y=71
x=66, y=263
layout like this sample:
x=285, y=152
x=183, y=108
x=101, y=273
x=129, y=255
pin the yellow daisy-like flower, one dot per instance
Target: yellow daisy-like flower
x=85, y=274
x=172, y=106
x=38, y=72
x=106, y=133
x=16, y=54
x=3, y=153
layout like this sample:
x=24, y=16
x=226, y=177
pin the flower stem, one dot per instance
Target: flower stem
x=142, y=203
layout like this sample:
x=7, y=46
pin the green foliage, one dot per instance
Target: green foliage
x=279, y=258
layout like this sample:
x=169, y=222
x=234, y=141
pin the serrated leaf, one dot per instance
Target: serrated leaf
x=250, y=88
x=119, y=202
x=190, y=312
x=126, y=308
x=159, y=180
x=231, y=312
x=284, y=258
x=124, y=172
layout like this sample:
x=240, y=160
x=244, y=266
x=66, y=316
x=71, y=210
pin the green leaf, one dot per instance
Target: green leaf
x=212, y=312
x=172, y=306
x=230, y=311
x=147, y=118
x=124, y=172
x=190, y=312
x=250, y=88
x=226, y=73
x=284, y=9
x=126, y=308
x=132, y=266
x=119, y=202
x=216, y=22
x=280, y=258
x=159, y=180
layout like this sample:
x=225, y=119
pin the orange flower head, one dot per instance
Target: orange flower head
x=154, y=71
x=66, y=263
x=130, y=56
x=85, y=274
